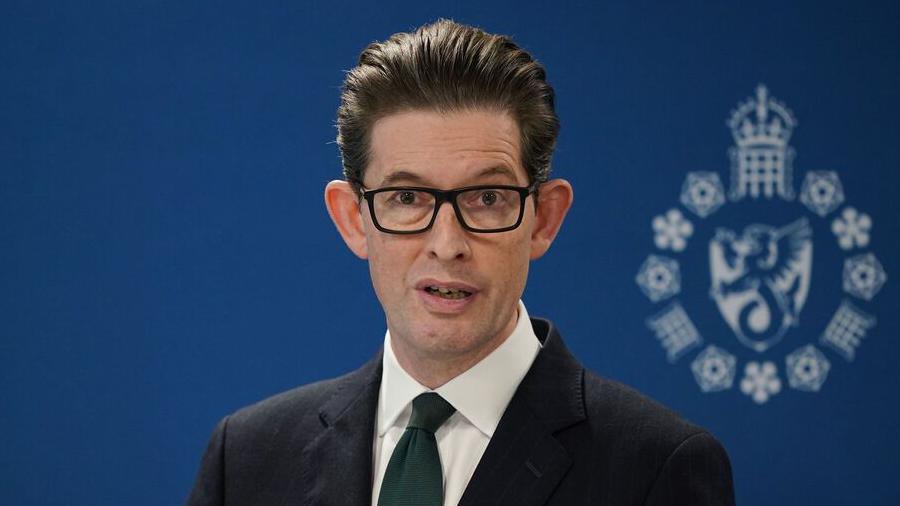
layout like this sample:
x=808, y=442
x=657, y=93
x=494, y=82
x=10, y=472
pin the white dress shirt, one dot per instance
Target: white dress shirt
x=480, y=396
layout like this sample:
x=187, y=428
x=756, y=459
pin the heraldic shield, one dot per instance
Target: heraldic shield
x=760, y=279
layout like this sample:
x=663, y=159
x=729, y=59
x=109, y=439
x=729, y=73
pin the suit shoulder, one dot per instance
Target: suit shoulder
x=664, y=458
x=295, y=406
x=625, y=412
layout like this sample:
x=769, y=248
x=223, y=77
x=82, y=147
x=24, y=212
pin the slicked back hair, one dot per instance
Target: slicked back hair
x=446, y=67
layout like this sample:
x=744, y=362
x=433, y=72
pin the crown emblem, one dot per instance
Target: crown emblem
x=761, y=160
x=762, y=121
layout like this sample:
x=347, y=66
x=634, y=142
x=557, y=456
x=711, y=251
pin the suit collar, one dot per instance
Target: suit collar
x=337, y=464
x=553, y=386
x=524, y=461
x=353, y=389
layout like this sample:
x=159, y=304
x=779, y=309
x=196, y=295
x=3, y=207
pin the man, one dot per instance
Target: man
x=446, y=136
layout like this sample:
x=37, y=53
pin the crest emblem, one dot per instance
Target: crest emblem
x=761, y=274
x=760, y=279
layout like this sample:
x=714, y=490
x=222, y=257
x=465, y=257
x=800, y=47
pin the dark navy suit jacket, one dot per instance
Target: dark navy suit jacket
x=567, y=438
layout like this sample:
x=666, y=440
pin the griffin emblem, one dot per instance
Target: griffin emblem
x=760, y=279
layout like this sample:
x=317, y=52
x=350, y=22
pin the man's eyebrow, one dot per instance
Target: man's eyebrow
x=497, y=170
x=403, y=176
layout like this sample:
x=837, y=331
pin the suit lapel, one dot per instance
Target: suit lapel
x=338, y=463
x=524, y=462
x=521, y=466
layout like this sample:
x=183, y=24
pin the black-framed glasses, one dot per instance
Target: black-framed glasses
x=485, y=209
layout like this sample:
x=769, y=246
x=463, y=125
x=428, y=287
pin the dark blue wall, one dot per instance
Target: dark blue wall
x=166, y=257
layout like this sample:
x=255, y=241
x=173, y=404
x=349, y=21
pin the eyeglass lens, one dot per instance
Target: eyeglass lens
x=481, y=209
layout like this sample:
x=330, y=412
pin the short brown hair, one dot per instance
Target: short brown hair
x=447, y=66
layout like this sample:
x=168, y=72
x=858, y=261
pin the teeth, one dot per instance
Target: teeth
x=448, y=293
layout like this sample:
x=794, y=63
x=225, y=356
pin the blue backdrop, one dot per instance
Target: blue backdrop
x=166, y=256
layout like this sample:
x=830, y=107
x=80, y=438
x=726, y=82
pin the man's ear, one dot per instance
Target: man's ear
x=555, y=198
x=343, y=203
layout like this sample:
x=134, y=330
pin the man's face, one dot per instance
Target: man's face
x=445, y=151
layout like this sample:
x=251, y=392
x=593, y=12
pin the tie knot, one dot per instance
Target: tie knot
x=429, y=411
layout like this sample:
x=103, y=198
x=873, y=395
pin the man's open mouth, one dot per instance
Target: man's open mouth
x=447, y=293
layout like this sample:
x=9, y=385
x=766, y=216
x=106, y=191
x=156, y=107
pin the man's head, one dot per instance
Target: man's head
x=446, y=67
x=444, y=108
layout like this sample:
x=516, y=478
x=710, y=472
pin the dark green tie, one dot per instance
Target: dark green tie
x=413, y=476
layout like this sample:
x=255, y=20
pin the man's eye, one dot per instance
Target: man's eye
x=406, y=197
x=488, y=198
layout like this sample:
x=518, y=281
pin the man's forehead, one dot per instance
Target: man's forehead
x=426, y=146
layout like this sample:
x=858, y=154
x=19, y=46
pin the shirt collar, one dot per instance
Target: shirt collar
x=480, y=394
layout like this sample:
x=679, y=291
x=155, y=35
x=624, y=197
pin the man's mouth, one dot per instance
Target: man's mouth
x=447, y=293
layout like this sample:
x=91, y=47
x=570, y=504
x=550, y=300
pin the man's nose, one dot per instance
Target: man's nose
x=447, y=240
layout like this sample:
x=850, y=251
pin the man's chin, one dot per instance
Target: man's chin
x=452, y=339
